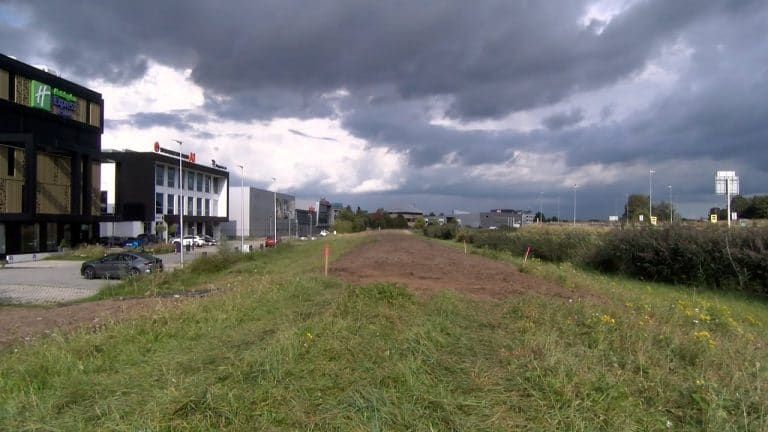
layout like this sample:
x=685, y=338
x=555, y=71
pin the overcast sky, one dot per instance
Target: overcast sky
x=441, y=104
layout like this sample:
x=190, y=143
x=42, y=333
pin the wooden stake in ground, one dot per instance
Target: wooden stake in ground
x=465, y=247
x=326, y=254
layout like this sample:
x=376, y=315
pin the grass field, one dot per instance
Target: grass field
x=286, y=349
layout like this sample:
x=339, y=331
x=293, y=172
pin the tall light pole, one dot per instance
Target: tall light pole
x=670, y=203
x=242, y=209
x=181, y=208
x=558, y=210
x=541, y=206
x=574, y=204
x=274, y=194
x=650, y=194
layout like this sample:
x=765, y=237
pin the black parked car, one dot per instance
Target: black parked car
x=119, y=265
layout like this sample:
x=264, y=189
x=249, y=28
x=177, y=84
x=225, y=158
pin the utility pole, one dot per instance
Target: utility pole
x=574, y=204
x=181, y=208
x=650, y=194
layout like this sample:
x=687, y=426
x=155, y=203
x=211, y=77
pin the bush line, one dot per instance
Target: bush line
x=710, y=256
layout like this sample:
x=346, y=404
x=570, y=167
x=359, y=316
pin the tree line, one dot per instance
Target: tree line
x=755, y=207
x=349, y=221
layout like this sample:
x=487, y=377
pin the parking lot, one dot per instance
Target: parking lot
x=56, y=281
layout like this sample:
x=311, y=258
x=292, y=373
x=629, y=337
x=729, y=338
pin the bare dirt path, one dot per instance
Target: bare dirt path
x=428, y=267
x=24, y=324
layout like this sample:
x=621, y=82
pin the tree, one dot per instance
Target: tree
x=420, y=223
x=399, y=222
x=160, y=228
x=662, y=209
x=755, y=207
x=539, y=217
x=636, y=205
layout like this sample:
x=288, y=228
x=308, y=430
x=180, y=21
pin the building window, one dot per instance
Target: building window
x=4, y=85
x=207, y=184
x=199, y=206
x=11, y=161
x=30, y=238
x=207, y=207
x=190, y=180
x=51, y=236
x=190, y=203
x=171, y=177
x=159, y=175
x=158, y=203
x=199, y=182
x=215, y=185
x=170, y=204
x=215, y=208
x=94, y=116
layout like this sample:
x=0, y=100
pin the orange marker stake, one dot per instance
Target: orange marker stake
x=326, y=254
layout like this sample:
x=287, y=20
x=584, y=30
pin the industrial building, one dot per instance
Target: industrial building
x=50, y=142
x=319, y=215
x=146, y=197
x=252, y=213
x=497, y=218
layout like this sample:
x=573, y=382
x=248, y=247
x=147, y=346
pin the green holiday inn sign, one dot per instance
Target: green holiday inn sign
x=43, y=96
x=40, y=95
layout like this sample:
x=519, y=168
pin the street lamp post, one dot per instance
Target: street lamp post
x=541, y=206
x=670, y=203
x=274, y=194
x=242, y=209
x=650, y=194
x=574, y=204
x=181, y=208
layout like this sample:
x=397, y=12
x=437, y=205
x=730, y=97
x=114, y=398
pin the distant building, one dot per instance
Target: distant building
x=319, y=215
x=497, y=218
x=409, y=212
x=259, y=213
x=146, y=192
x=50, y=142
x=467, y=219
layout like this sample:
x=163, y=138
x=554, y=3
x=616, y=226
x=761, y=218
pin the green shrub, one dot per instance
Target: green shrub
x=548, y=243
x=161, y=248
x=444, y=232
x=692, y=255
x=711, y=256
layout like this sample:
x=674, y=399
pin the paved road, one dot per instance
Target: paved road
x=51, y=281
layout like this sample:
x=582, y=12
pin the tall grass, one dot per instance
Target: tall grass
x=289, y=350
x=710, y=256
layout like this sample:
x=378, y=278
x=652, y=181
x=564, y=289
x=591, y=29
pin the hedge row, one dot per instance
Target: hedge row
x=694, y=255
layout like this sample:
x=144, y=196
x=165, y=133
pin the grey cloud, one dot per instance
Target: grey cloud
x=302, y=134
x=261, y=60
x=564, y=119
x=498, y=58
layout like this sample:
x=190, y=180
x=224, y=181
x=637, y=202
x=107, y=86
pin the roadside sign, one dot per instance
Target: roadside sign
x=653, y=220
x=713, y=218
x=640, y=217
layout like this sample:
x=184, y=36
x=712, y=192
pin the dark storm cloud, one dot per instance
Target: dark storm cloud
x=564, y=119
x=495, y=59
x=268, y=59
